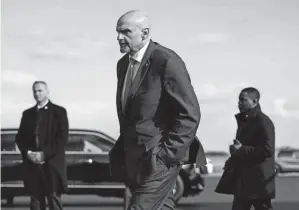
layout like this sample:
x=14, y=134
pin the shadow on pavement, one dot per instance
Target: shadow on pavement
x=185, y=206
x=83, y=204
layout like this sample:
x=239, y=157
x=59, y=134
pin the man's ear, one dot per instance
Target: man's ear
x=145, y=33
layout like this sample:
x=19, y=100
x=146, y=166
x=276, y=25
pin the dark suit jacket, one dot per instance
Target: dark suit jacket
x=53, y=136
x=254, y=161
x=161, y=115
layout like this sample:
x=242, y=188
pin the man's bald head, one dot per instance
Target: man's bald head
x=136, y=17
x=133, y=30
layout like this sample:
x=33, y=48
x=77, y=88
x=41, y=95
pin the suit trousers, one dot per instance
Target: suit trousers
x=40, y=193
x=39, y=202
x=258, y=204
x=156, y=192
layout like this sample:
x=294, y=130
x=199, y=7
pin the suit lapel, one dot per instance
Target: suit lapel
x=33, y=117
x=122, y=70
x=47, y=123
x=143, y=68
x=50, y=115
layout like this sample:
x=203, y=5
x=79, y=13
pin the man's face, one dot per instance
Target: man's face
x=40, y=92
x=246, y=102
x=129, y=36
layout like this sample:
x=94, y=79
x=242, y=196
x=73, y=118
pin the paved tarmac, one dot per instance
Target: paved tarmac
x=287, y=199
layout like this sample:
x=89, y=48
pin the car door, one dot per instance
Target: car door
x=92, y=161
x=70, y=157
x=11, y=161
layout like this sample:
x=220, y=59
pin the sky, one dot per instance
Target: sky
x=226, y=45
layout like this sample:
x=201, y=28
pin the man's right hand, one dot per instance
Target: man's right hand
x=35, y=157
x=235, y=146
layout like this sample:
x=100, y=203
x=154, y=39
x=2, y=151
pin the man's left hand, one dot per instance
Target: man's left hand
x=38, y=157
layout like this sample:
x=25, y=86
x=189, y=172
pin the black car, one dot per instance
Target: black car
x=87, y=167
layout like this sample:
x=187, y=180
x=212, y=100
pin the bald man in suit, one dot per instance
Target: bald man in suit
x=158, y=114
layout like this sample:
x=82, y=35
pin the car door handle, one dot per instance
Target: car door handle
x=89, y=161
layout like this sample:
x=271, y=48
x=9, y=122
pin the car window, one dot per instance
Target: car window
x=76, y=142
x=296, y=154
x=285, y=154
x=8, y=142
x=217, y=154
x=88, y=143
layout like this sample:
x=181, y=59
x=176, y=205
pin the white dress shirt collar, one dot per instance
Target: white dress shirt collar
x=42, y=105
x=139, y=55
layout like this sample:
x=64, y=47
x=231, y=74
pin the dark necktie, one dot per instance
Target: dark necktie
x=129, y=82
x=37, y=129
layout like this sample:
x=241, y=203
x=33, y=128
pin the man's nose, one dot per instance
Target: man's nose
x=120, y=37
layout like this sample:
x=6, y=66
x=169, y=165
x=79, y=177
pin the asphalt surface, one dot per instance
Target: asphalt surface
x=287, y=199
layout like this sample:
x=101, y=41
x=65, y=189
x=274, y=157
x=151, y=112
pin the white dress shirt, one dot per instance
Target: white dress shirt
x=138, y=58
x=40, y=106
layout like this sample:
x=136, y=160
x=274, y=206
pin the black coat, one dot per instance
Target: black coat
x=254, y=161
x=53, y=136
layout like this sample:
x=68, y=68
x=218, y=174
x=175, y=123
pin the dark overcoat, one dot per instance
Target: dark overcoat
x=53, y=136
x=254, y=162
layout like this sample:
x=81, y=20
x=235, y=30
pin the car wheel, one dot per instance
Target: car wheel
x=178, y=190
x=9, y=201
x=278, y=168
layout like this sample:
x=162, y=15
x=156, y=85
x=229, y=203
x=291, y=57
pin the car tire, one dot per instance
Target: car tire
x=178, y=189
x=278, y=168
x=9, y=201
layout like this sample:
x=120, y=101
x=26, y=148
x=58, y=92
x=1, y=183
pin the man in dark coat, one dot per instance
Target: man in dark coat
x=252, y=155
x=158, y=114
x=41, y=138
